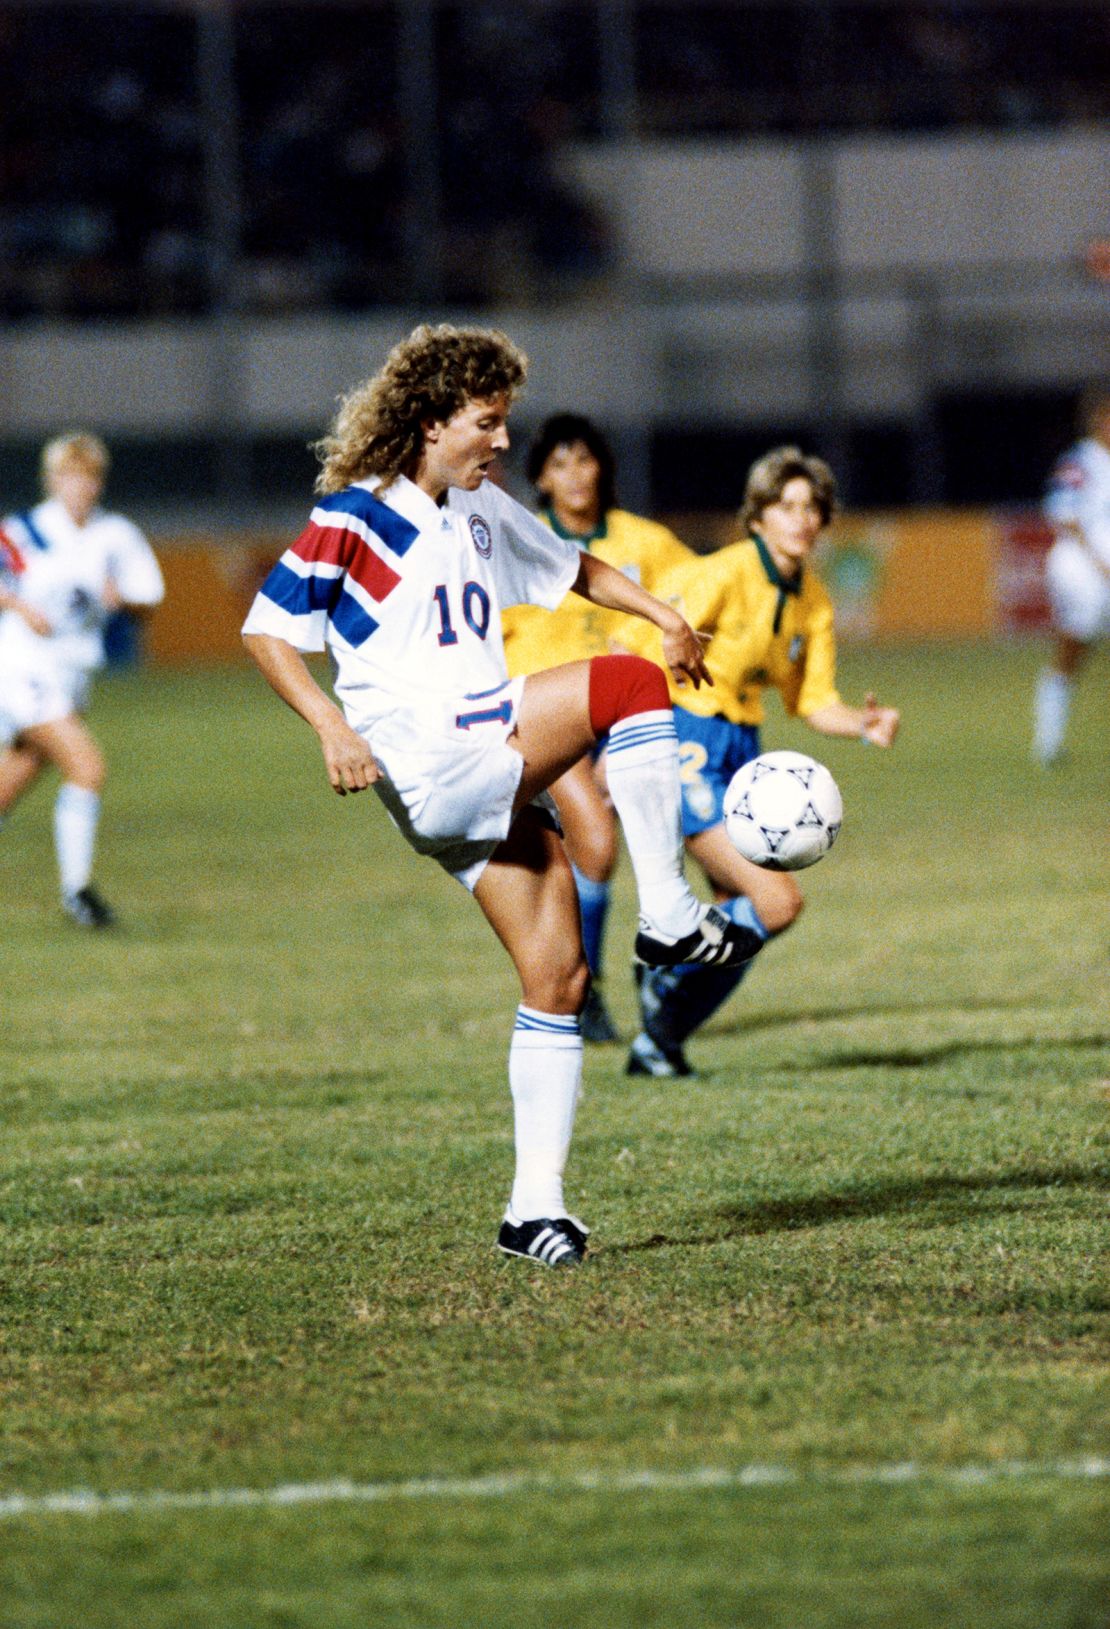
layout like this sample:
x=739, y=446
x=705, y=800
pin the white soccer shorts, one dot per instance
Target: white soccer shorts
x=31, y=698
x=1078, y=592
x=451, y=797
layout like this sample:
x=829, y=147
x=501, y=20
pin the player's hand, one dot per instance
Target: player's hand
x=880, y=724
x=684, y=652
x=110, y=596
x=34, y=619
x=350, y=763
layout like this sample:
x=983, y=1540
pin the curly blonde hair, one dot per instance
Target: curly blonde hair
x=438, y=369
x=769, y=476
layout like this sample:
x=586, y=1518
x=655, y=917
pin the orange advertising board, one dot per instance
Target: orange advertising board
x=930, y=573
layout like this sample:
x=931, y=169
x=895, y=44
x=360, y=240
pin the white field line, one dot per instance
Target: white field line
x=83, y=1502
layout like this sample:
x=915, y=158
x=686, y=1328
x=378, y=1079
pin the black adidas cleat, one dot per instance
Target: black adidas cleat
x=595, y=1020
x=716, y=941
x=560, y=1243
x=87, y=909
x=648, y=1057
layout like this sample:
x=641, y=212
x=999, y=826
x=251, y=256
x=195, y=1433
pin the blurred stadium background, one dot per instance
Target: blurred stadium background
x=876, y=226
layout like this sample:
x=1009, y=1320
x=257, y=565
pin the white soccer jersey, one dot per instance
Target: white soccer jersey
x=406, y=596
x=1079, y=493
x=63, y=569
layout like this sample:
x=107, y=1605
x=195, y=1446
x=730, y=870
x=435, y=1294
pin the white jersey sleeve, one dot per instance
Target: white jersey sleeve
x=133, y=565
x=533, y=565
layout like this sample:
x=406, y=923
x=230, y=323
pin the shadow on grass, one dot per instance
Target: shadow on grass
x=874, y=1199
x=752, y=1024
x=924, y=1057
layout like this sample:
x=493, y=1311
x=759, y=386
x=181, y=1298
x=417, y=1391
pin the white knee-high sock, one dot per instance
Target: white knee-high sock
x=1051, y=706
x=76, y=812
x=642, y=769
x=545, y=1071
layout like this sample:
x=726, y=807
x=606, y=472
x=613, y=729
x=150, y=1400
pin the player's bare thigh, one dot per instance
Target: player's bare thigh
x=527, y=895
x=775, y=895
x=20, y=766
x=67, y=744
x=553, y=727
x=589, y=824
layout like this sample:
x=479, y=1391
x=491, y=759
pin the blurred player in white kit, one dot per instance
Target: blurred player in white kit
x=1078, y=570
x=65, y=566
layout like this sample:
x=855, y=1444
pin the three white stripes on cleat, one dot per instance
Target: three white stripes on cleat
x=550, y=1246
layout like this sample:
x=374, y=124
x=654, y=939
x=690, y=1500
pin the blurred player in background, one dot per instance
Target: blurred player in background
x=571, y=466
x=401, y=575
x=65, y=567
x=768, y=622
x=1078, y=569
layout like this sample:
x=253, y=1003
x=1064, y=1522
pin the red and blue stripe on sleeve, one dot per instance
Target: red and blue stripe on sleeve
x=12, y=562
x=339, y=571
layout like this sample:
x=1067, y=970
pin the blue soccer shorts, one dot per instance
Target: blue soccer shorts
x=710, y=751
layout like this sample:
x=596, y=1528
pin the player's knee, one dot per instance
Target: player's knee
x=784, y=907
x=594, y=852
x=621, y=686
x=91, y=770
x=578, y=986
x=558, y=986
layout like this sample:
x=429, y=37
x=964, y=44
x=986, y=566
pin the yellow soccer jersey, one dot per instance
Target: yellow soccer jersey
x=732, y=597
x=641, y=549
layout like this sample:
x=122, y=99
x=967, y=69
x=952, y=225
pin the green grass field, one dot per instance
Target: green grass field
x=256, y=1147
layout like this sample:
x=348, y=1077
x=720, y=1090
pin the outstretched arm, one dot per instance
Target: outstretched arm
x=602, y=585
x=349, y=761
x=878, y=725
x=33, y=617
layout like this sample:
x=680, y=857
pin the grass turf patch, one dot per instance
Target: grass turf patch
x=256, y=1148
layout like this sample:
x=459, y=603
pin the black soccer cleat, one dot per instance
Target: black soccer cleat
x=716, y=941
x=649, y=1057
x=88, y=909
x=595, y=1020
x=559, y=1243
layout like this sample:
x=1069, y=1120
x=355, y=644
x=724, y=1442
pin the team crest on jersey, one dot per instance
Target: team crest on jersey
x=483, y=537
x=797, y=646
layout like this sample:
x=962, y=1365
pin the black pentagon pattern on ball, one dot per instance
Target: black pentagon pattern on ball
x=801, y=772
x=775, y=836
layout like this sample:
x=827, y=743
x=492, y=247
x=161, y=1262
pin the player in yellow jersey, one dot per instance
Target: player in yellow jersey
x=768, y=622
x=571, y=466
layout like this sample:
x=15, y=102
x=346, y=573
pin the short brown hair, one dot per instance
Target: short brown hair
x=770, y=475
x=379, y=428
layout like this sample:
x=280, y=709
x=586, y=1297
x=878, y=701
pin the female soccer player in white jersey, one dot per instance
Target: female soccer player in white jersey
x=65, y=566
x=1078, y=570
x=401, y=574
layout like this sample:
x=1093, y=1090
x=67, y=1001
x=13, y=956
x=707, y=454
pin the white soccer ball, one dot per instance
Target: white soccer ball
x=783, y=811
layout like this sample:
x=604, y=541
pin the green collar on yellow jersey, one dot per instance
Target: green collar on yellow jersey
x=582, y=539
x=785, y=585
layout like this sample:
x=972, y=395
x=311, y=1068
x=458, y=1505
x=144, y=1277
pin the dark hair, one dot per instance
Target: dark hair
x=560, y=430
x=769, y=475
